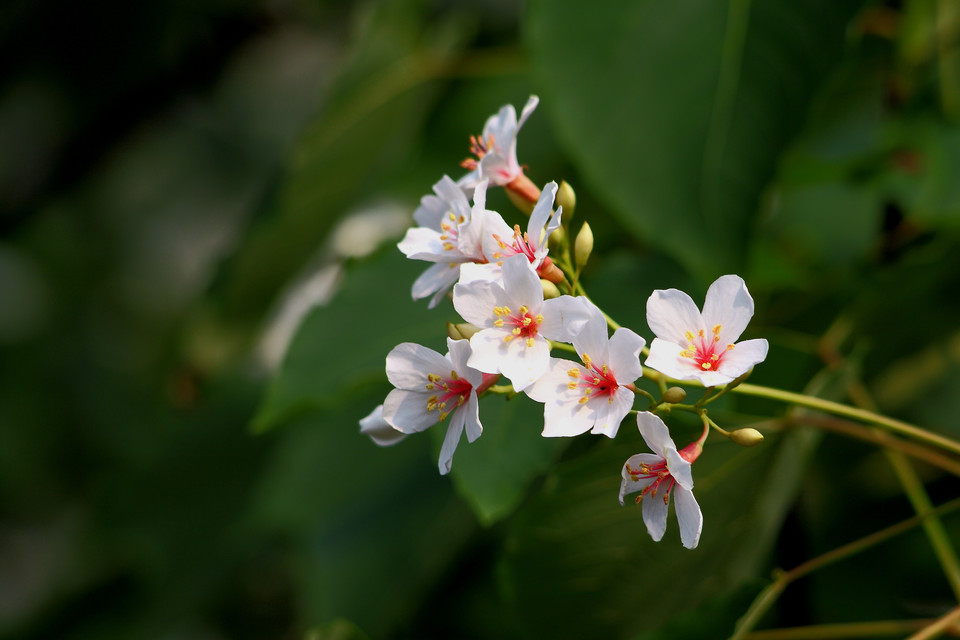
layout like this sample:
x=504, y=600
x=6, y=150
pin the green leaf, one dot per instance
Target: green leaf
x=343, y=345
x=493, y=473
x=677, y=113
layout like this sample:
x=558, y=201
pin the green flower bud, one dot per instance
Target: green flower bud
x=558, y=237
x=583, y=245
x=461, y=331
x=550, y=290
x=746, y=437
x=673, y=395
x=566, y=198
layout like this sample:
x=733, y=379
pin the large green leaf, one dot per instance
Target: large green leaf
x=677, y=112
x=493, y=473
x=343, y=345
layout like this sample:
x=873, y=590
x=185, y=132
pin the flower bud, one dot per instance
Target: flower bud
x=583, y=245
x=566, y=198
x=746, y=437
x=673, y=395
x=550, y=290
x=558, y=237
x=461, y=331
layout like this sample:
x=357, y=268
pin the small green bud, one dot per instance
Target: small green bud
x=746, y=437
x=673, y=395
x=550, y=290
x=461, y=331
x=566, y=198
x=583, y=245
x=558, y=237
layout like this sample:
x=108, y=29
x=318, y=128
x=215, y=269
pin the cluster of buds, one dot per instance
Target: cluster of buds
x=520, y=304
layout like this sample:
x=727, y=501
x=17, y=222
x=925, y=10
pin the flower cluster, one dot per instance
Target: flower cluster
x=521, y=305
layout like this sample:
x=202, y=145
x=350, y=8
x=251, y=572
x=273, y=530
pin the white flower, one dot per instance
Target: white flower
x=496, y=148
x=694, y=346
x=430, y=387
x=598, y=394
x=515, y=321
x=449, y=234
x=656, y=475
x=501, y=242
x=379, y=429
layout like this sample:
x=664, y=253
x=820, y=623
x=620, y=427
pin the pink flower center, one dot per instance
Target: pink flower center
x=705, y=351
x=521, y=244
x=452, y=392
x=660, y=476
x=479, y=148
x=525, y=324
x=595, y=381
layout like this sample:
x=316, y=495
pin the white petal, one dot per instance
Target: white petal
x=471, y=414
x=502, y=126
x=436, y=280
x=450, y=442
x=611, y=414
x=728, y=303
x=627, y=484
x=453, y=195
x=624, y=355
x=523, y=365
x=489, y=272
x=406, y=411
x=488, y=349
x=655, y=433
x=475, y=300
x=480, y=196
x=431, y=211
x=536, y=227
x=498, y=169
x=665, y=357
x=564, y=318
x=494, y=227
x=680, y=469
x=744, y=355
x=689, y=517
x=592, y=338
x=671, y=313
x=528, y=108
x=552, y=384
x=409, y=363
x=566, y=419
x=521, y=284
x=655, y=515
x=379, y=430
x=421, y=243
x=460, y=353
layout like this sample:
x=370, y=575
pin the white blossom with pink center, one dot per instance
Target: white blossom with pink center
x=449, y=234
x=691, y=345
x=514, y=320
x=597, y=394
x=501, y=242
x=656, y=475
x=429, y=388
x=379, y=430
x=495, y=150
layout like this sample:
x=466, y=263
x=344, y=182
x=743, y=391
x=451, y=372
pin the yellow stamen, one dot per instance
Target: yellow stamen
x=529, y=342
x=572, y=386
x=516, y=331
x=574, y=373
x=498, y=322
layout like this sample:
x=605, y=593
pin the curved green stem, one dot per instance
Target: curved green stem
x=839, y=409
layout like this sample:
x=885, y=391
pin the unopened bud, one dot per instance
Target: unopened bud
x=746, y=437
x=583, y=245
x=461, y=331
x=558, y=237
x=566, y=198
x=550, y=290
x=673, y=395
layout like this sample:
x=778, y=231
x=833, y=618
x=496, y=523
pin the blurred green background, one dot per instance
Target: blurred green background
x=199, y=203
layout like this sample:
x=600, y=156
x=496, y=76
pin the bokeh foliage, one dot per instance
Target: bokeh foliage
x=178, y=184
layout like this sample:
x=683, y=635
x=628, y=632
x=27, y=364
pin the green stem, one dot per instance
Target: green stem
x=872, y=629
x=938, y=627
x=769, y=595
x=862, y=415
